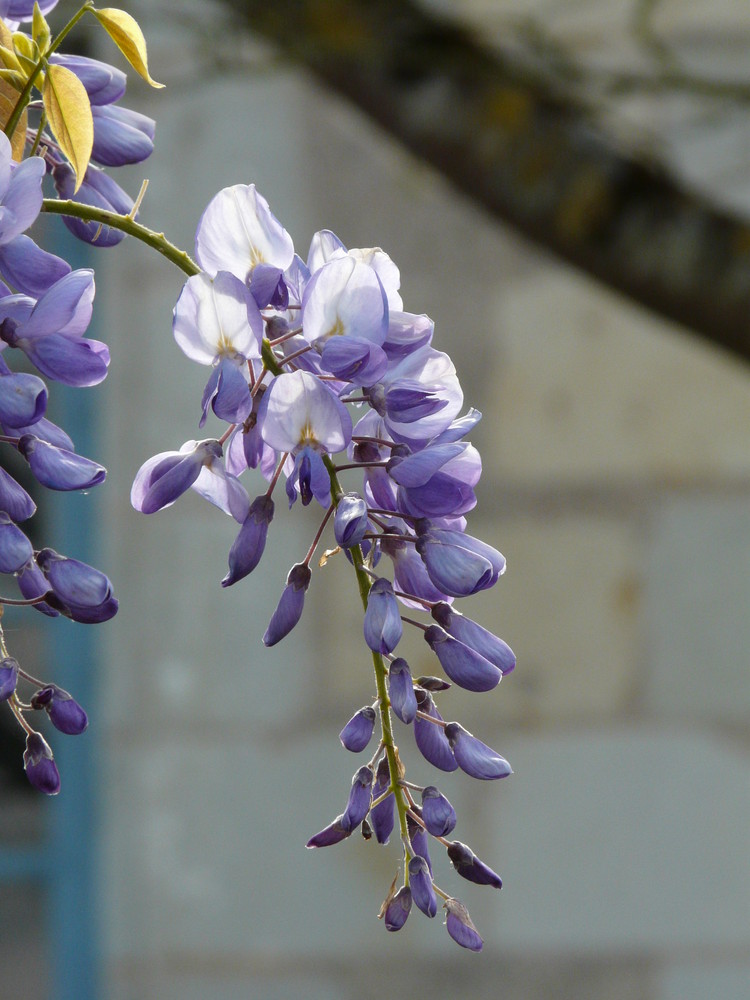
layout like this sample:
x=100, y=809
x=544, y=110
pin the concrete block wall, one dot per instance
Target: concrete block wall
x=617, y=483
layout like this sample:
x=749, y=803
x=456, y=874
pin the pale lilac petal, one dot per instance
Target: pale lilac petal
x=29, y=268
x=344, y=298
x=22, y=201
x=298, y=410
x=217, y=317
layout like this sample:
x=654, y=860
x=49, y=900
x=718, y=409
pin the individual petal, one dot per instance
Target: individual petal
x=238, y=231
x=291, y=604
x=438, y=814
x=350, y=520
x=29, y=268
x=15, y=548
x=490, y=646
x=40, y=766
x=406, y=333
x=121, y=136
x=433, y=371
x=57, y=468
x=475, y=757
x=65, y=307
x=247, y=548
x=464, y=666
x=310, y=477
x=418, y=468
x=353, y=359
x=382, y=624
x=14, y=499
x=268, y=288
x=460, y=926
x=166, y=476
x=382, y=814
x=22, y=201
x=458, y=564
x=401, y=691
x=334, y=833
x=23, y=399
x=8, y=677
x=359, y=798
x=64, y=712
x=32, y=583
x=217, y=317
x=227, y=392
x=398, y=909
x=344, y=298
x=420, y=882
x=470, y=867
x=358, y=731
x=45, y=430
x=430, y=738
x=298, y=410
x=75, y=361
x=221, y=489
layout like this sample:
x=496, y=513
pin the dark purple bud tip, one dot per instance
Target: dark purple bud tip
x=438, y=814
x=357, y=733
x=470, y=867
x=401, y=691
x=40, y=766
x=475, y=757
x=459, y=925
x=398, y=909
x=63, y=710
x=8, y=677
x=420, y=882
x=334, y=833
x=433, y=683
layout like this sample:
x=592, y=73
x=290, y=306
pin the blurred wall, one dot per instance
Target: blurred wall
x=616, y=481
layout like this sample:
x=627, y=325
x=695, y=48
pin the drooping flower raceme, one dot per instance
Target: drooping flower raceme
x=293, y=345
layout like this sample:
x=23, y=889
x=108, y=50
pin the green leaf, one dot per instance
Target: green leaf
x=9, y=59
x=128, y=37
x=69, y=115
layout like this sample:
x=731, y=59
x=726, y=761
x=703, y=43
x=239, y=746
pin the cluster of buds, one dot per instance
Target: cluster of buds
x=318, y=373
x=45, y=311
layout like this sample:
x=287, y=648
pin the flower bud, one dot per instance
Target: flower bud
x=382, y=626
x=398, y=909
x=475, y=757
x=8, y=677
x=247, y=548
x=63, y=710
x=40, y=766
x=469, y=866
x=350, y=520
x=291, y=605
x=58, y=468
x=462, y=664
x=401, y=691
x=490, y=646
x=357, y=733
x=459, y=925
x=438, y=814
x=420, y=882
x=430, y=738
x=15, y=548
x=381, y=815
x=360, y=797
x=332, y=834
x=418, y=837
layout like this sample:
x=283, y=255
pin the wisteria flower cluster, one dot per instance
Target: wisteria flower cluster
x=319, y=380
x=45, y=310
x=317, y=371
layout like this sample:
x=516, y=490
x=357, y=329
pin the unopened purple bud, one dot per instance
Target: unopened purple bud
x=475, y=757
x=420, y=882
x=8, y=677
x=360, y=797
x=461, y=663
x=398, y=909
x=291, y=605
x=15, y=548
x=82, y=592
x=332, y=834
x=401, y=691
x=350, y=520
x=458, y=564
x=40, y=766
x=459, y=925
x=58, y=468
x=418, y=837
x=382, y=626
x=381, y=815
x=438, y=814
x=469, y=866
x=248, y=546
x=63, y=710
x=357, y=733
x=490, y=646
x=433, y=683
x=430, y=738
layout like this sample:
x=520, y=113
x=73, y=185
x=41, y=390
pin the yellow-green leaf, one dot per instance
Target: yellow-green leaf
x=128, y=37
x=16, y=80
x=8, y=99
x=40, y=29
x=9, y=59
x=69, y=115
x=24, y=46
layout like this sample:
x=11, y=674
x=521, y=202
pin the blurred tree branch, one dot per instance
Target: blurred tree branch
x=527, y=146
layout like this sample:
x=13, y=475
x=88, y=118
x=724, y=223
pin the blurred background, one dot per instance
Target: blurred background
x=575, y=220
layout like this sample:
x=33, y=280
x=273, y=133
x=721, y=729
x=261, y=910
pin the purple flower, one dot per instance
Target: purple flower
x=475, y=757
x=469, y=866
x=332, y=834
x=247, y=548
x=398, y=909
x=357, y=733
x=344, y=298
x=462, y=664
x=471, y=634
x=15, y=548
x=350, y=520
x=217, y=318
x=80, y=591
x=121, y=136
x=40, y=766
x=438, y=814
x=458, y=564
x=360, y=797
x=420, y=882
x=382, y=624
x=98, y=189
x=381, y=815
x=58, y=468
x=8, y=677
x=63, y=710
x=420, y=842
x=401, y=691
x=430, y=738
x=460, y=926
x=290, y=606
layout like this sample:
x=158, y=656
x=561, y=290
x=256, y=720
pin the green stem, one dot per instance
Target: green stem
x=38, y=136
x=157, y=241
x=23, y=100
